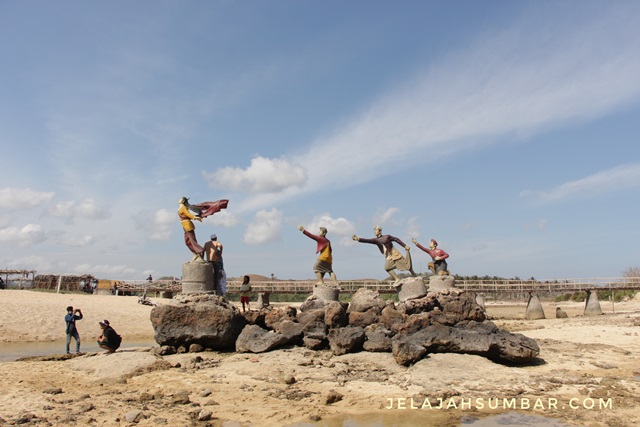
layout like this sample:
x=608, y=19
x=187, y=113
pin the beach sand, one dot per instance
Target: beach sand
x=588, y=374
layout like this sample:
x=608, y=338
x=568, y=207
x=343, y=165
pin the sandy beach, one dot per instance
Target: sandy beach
x=588, y=374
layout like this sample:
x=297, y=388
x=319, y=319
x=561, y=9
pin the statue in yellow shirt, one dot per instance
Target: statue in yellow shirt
x=202, y=210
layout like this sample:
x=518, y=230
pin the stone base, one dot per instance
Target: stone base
x=197, y=277
x=263, y=300
x=480, y=301
x=534, y=309
x=440, y=283
x=326, y=293
x=592, y=304
x=411, y=288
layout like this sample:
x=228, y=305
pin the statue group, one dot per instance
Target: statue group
x=394, y=260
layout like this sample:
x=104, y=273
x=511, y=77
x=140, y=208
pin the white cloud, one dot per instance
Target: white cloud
x=32, y=262
x=23, y=198
x=25, y=236
x=413, y=228
x=79, y=241
x=262, y=176
x=4, y=221
x=384, y=218
x=224, y=218
x=340, y=227
x=156, y=225
x=85, y=209
x=102, y=269
x=266, y=226
x=616, y=179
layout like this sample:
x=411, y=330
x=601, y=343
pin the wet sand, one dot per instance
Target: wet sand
x=587, y=375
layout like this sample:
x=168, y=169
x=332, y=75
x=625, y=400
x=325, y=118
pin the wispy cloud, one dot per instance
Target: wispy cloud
x=262, y=176
x=266, y=226
x=156, y=225
x=86, y=209
x=23, y=198
x=619, y=178
x=28, y=235
x=523, y=80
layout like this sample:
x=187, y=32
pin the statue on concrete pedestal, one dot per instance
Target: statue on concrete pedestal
x=393, y=258
x=324, y=263
x=188, y=212
x=439, y=265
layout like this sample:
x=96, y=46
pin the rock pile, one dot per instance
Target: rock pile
x=440, y=322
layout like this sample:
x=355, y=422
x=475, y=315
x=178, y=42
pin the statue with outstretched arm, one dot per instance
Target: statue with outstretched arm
x=324, y=263
x=439, y=265
x=188, y=212
x=393, y=258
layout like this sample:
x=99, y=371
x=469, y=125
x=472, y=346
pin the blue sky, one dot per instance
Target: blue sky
x=508, y=131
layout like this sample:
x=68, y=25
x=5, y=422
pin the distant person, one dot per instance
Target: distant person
x=149, y=279
x=245, y=292
x=439, y=265
x=213, y=253
x=72, y=331
x=114, y=290
x=109, y=340
x=324, y=263
x=1, y=283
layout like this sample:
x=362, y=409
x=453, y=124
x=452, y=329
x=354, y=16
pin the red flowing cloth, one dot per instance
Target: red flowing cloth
x=209, y=208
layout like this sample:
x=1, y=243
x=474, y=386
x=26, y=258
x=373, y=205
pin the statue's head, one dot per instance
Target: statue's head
x=323, y=231
x=214, y=237
x=377, y=230
x=433, y=244
x=183, y=200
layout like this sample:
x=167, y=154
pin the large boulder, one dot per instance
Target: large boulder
x=203, y=319
x=346, y=340
x=378, y=338
x=469, y=337
x=254, y=339
x=366, y=300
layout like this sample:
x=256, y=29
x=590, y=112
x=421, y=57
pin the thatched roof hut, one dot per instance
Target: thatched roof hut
x=68, y=283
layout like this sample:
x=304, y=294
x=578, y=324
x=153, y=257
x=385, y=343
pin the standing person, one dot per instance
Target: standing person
x=72, y=331
x=245, y=292
x=393, y=258
x=213, y=252
x=149, y=279
x=109, y=340
x=439, y=265
x=324, y=263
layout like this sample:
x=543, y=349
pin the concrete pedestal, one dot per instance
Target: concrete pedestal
x=411, y=288
x=592, y=304
x=440, y=283
x=326, y=293
x=480, y=301
x=263, y=300
x=534, y=308
x=197, y=277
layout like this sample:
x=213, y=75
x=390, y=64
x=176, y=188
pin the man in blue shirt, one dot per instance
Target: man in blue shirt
x=72, y=331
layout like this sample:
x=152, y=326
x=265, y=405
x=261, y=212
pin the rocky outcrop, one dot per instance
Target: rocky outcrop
x=446, y=321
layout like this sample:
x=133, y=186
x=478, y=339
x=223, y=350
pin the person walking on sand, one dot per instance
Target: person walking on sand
x=109, y=340
x=245, y=292
x=72, y=331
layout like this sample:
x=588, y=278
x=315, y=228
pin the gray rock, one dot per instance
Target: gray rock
x=254, y=339
x=196, y=348
x=278, y=315
x=346, y=340
x=133, y=416
x=483, y=339
x=335, y=314
x=561, y=314
x=365, y=300
x=207, y=320
x=363, y=319
x=309, y=316
x=315, y=343
x=378, y=338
